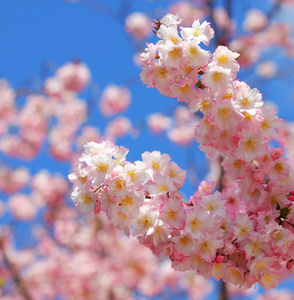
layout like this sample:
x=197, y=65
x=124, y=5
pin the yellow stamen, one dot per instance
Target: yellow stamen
x=155, y=166
x=127, y=201
x=132, y=174
x=248, y=116
x=204, y=106
x=161, y=73
x=173, y=173
x=145, y=222
x=171, y=215
x=278, y=167
x=227, y=95
x=245, y=102
x=250, y=144
x=174, y=39
x=122, y=215
x=119, y=184
x=86, y=198
x=216, y=76
x=196, y=32
x=176, y=53
x=185, y=88
x=193, y=51
x=211, y=206
x=266, y=124
x=83, y=179
x=224, y=113
x=184, y=240
x=268, y=278
x=196, y=224
x=162, y=187
x=223, y=60
x=188, y=69
x=102, y=167
x=206, y=246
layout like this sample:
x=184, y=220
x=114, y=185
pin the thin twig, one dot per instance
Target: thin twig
x=17, y=278
x=223, y=291
x=274, y=9
x=216, y=29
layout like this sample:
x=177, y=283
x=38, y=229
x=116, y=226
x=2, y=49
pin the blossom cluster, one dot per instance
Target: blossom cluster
x=242, y=234
x=128, y=267
x=179, y=128
x=57, y=114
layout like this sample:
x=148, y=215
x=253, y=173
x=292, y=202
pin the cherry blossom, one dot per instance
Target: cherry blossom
x=226, y=234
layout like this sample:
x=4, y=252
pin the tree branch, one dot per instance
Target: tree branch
x=274, y=9
x=17, y=278
x=223, y=291
x=216, y=29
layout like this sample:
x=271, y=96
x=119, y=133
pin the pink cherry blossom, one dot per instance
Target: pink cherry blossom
x=114, y=100
x=138, y=25
x=75, y=76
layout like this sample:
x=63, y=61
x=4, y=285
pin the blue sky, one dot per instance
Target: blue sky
x=35, y=32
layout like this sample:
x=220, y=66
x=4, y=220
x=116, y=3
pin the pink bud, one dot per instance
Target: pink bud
x=276, y=153
x=291, y=198
x=219, y=259
x=97, y=207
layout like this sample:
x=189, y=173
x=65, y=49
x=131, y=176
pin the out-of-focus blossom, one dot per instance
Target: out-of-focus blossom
x=53, y=87
x=183, y=114
x=7, y=106
x=52, y=188
x=278, y=294
x=89, y=133
x=119, y=127
x=278, y=34
x=235, y=291
x=2, y=208
x=158, y=123
x=187, y=12
x=286, y=2
x=197, y=286
x=12, y=181
x=75, y=76
x=138, y=25
x=181, y=135
x=61, y=139
x=73, y=113
x=22, y=207
x=255, y=20
x=267, y=69
x=114, y=100
x=222, y=20
x=248, y=49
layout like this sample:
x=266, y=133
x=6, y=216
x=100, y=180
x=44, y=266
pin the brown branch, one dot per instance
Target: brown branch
x=17, y=277
x=223, y=291
x=274, y=9
x=213, y=23
x=229, y=8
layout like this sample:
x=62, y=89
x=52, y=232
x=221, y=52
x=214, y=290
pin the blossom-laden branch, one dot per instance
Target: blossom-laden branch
x=239, y=235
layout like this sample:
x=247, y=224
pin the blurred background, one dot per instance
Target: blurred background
x=70, y=74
